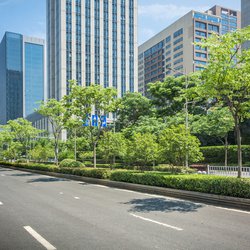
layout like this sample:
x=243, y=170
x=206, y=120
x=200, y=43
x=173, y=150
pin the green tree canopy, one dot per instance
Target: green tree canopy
x=132, y=107
x=227, y=77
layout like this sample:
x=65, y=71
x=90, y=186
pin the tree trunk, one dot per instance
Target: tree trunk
x=75, y=145
x=239, y=150
x=94, y=155
x=56, y=152
x=226, y=150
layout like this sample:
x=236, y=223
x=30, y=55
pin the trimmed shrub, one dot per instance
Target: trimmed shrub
x=216, y=154
x=174, y=169
x=69, y=163
x=228, y=186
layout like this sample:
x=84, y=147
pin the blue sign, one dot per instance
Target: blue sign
x=104, y=121
x=94, y=121
x=86, y=121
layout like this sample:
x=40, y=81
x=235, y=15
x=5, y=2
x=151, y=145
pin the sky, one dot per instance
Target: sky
x=28, y=17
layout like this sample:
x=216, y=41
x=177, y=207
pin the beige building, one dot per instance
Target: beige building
x=92, y=41
x=245, y=9
x=172, y=51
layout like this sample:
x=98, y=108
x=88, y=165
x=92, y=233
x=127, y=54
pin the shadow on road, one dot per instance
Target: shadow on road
x=5, y=170
x=20, y=175
x=45, y=179
x=162, y=205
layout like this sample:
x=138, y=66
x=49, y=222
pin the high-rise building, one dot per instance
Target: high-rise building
x=245, y=16
x=22, y=75
x=230, y=19
x=92, y=41
x=172, y=51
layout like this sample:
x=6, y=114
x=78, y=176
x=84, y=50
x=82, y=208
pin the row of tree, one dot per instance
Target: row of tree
x=217, y=99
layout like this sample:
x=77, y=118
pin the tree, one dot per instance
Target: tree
x=170, y=96
x=55, y=111
x=164, y=95
x=132, y=107
x=175, y=142
x=218, y=122
x=142, y=150
x=82, y=101
x=227, y=77
x=41, y=153
x=22, y=131
x=112, y=145
x=145, y=124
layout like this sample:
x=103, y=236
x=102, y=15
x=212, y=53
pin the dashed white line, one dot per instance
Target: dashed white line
x=157, y=222
x=61, y=193
x=2, y=175
x=234, y=210
x=96, y=185
x=124, y=190
x=1, y=203
x=77, y=198
x=39, y=238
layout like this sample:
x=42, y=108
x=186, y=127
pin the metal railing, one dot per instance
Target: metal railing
x=228, y=171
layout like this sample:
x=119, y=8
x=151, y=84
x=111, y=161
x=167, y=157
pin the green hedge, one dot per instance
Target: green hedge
x=174, y=169
x=228, y=186
x=87, y=172
x=216, y=154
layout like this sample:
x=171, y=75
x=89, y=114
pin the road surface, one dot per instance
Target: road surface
x=43, y=212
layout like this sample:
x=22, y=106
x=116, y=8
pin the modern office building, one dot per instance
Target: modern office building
x=172, y=51
x=245, y=16
x=22, y=75
x=92, y=41
x=230, y=19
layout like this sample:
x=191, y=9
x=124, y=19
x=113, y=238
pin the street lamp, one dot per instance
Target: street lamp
x=186, y=110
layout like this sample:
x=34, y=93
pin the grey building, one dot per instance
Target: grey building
x=245, y=16
x=172, y=51
x=92, y=41
x=22, y=75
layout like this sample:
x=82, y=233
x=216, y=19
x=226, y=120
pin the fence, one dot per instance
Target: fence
x=228, y=171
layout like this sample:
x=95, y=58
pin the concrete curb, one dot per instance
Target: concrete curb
x=212, y=199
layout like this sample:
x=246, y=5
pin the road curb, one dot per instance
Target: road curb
x=212, y=199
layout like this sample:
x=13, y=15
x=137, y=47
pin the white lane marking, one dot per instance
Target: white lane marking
x=61, y=193
x=157, y=222
x=234, y=210
x=1, y=203
x=77, y=198
x=128, y=191
x=39, y=238
x=96, y=185
x=2, y=175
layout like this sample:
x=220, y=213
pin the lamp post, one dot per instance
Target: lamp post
x=186, y=111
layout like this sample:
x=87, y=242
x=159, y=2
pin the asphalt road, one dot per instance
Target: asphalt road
x=42, y=212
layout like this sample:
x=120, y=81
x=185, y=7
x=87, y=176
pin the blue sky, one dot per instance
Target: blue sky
x=28, y=17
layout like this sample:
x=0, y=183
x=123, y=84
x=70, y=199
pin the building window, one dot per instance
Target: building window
x=200, y=25
x=178, y=33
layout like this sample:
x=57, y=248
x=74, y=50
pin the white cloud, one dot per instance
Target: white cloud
x=161, y=12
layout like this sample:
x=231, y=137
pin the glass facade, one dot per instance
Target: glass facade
x=97, y=41
x=78, y=42
x=88, y=41
x=22, y=76
x=114, y=42
x=68, y=42
x=123, y=47
x=106, y=42
x=14, y=76
x=34, y=76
